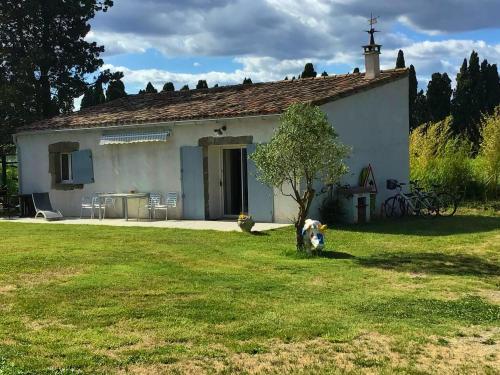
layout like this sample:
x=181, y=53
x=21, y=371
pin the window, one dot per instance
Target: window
x=66, y=173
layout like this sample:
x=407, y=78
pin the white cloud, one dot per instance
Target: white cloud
x=441, y=56
x=136, y=79
x=275, y=38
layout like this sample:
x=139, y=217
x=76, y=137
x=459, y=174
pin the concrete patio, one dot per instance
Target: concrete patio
x=220, y=225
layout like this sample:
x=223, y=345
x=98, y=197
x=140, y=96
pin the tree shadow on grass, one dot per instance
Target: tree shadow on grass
x=258, y=233
x=335, y=255
x=440, y=226
x=433, y=263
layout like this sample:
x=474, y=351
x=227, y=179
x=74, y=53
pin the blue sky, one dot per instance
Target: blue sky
x=224, y=41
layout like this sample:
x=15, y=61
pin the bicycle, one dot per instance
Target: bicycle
x=417, y=202
x=447, y=203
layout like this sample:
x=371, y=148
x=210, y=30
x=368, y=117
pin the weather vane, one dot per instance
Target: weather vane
x=372, y=21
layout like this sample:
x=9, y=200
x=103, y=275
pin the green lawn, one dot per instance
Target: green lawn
x=416, y=296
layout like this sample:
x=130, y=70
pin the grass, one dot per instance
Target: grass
x=417, y=296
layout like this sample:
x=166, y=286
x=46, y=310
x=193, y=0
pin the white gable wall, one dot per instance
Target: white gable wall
x=373, y=122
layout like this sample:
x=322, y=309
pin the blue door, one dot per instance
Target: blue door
x=193, y=196
x=260, y=196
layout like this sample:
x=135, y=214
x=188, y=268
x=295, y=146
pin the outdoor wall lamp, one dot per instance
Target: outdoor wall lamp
x=219, y=131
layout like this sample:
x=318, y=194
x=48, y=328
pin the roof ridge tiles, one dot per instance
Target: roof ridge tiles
x=219, y=102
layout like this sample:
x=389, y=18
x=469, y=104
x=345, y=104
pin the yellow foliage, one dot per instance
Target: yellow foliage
x=490, y=148
x=439, y=157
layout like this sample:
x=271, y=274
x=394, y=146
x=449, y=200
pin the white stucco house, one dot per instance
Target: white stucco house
x=197, y=143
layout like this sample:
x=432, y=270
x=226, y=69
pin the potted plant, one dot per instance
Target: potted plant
x=245, y=222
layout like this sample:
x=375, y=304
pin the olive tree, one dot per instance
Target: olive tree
x=303, y=150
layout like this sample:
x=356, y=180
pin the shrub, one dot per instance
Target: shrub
x=490, y=151
x=439, y=157
x=330, y=211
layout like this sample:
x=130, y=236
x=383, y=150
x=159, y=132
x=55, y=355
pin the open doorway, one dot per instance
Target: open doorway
x=235, y=186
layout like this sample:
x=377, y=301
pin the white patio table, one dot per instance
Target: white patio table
x=124, y=197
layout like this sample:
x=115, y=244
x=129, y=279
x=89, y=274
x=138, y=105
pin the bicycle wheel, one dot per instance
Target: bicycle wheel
x=393, y=207
x=428, y=206
x=446, y=204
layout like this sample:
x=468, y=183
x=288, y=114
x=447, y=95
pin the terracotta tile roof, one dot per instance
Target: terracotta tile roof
x=222, y=102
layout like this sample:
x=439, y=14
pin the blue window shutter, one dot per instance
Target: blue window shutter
x=82, y=167
x=260, y=196
x=193, y=195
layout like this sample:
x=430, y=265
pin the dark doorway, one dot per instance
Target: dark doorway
x=235, y=181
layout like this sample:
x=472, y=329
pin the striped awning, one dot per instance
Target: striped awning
x=135, y=137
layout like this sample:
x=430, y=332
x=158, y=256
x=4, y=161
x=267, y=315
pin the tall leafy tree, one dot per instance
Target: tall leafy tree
x=17, y=103
x=324, y=74
x=169, y=86
x=438, y=96
x=247, y=81
x=400, y=61
x=202, y=84
x=44, y=48
x=185, y=88
x=309, y=71
x=356, y=70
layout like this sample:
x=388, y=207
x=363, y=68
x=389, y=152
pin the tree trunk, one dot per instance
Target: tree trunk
x=304, y=205
x=299, y=224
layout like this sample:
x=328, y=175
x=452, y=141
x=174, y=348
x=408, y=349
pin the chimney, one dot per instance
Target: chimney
x=372, y=52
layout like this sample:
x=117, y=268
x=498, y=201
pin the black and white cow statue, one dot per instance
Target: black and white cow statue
x=313, y=236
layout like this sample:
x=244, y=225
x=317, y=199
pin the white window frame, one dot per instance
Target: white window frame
x=70, y=172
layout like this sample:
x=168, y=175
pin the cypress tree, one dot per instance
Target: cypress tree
x=202, y=84
x=99, y=93
x=88, y=98
x=489, y=74
x=420, y=109
x=468, y=99
x=459, y=103
x=412, y=96
x=400, y=61
x=115, y=90
x=169, y=86
x=438, y=96
x=94, y=95
x=309, y=71
x=150, y=89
